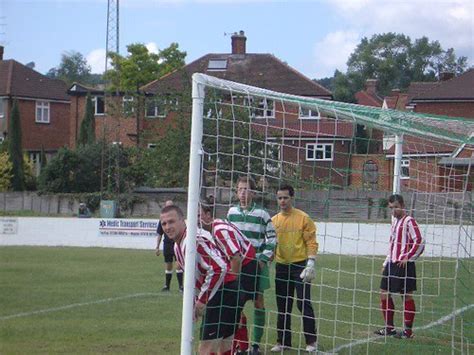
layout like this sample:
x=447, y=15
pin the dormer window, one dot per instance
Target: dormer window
x=217, y=65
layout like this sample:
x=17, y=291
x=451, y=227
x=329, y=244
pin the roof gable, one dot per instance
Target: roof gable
x=261, y=70
x=18, y=80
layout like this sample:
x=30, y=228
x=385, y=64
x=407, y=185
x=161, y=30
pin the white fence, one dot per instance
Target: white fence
x=333, y=238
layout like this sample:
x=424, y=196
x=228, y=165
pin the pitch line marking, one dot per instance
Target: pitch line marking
x=74, y=305
x=427, y=326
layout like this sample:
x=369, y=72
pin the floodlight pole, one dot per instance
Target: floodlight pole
x=397, y=163
x=192, y=223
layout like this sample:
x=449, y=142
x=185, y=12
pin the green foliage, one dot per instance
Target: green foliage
x=140, y=67
x=14, y=149
x=6, y=168
x=395, y=60
x=29, y=171
x=73, y=68
x=43, y=159
x=87, y=130
x=73, y=171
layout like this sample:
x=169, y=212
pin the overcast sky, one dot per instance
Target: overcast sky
x=315, y=37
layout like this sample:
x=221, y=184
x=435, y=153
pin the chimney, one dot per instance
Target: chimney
x=371, y=86
x=238, y=42
x=1, y=52
x=446, y=75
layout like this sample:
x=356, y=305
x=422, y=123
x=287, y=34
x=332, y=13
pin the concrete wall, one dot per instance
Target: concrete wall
x=334, y=238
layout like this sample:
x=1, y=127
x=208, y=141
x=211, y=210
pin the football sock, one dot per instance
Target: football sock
x=179, y=275
x=258, y=325
x=387, y=307
x=409, y=314
x=169, y=274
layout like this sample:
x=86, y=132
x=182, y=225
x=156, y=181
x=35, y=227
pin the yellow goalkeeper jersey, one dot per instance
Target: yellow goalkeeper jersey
x=296, y=236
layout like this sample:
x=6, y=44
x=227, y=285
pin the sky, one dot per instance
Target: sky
x=313, y=36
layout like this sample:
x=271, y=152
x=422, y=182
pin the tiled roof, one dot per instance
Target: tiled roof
x=18, y=80
x=367, y=99
x=457, y=88
x=261, y=70
x=80, y=89
x=416, y=88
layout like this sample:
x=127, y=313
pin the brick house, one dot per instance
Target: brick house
x=115, y=128
x=428, y=165
x=319, y=146
x=43, y=104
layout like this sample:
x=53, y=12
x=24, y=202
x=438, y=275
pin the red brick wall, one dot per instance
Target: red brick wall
x=113, y=129
x=384, y=171
x=454, y=109
x=52, y=135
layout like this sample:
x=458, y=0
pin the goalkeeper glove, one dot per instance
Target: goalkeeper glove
x=308, y=274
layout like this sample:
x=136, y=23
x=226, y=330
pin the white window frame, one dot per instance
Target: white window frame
x=2, y=107
x=94, y=100
x=404, y=166
x=42, y=112
x=156, y=108
x=262, y=107
x=310, y=115
x=314, y=147
x=127, y=104
x=151, y=145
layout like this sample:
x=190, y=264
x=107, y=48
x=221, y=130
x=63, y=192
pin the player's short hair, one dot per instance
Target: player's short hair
x=247, y=179
x=207, y=205
x=396, y=198
x=287, y=187
x=175, y=208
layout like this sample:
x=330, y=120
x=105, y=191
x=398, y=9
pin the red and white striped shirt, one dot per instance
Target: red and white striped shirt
x=406, y=242
x=232, y=241
x=212, y=266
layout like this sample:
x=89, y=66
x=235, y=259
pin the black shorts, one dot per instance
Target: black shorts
x=222, y=313
x=398, y=279
x=249, y=282
x=168, y=253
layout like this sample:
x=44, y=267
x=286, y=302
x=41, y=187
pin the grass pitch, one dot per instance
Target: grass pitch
x=94, y=300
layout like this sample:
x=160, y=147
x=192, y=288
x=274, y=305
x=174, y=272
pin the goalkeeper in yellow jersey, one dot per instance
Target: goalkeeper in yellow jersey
x=295, y=260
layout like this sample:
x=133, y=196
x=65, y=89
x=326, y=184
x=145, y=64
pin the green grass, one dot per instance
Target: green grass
x=112, y=304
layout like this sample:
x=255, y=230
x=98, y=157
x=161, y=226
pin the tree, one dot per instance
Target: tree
x=5, y=171
x=140, y=67
x=14, y=149
x=73, y=68
x=87, y=130
x=395, y=60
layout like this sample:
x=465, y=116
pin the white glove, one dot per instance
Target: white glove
x=308, y=274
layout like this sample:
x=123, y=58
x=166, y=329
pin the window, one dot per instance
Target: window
x=151, y=145
x=128, y=108
x=2, y=108
x=405, y=169
x=319, y=151
x=155, y=108
x=266, y=109
x=217, y=65
x=306, y=113
x=99, y=105
x=42, y=111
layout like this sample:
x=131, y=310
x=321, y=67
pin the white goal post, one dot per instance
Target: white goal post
x=344, y=160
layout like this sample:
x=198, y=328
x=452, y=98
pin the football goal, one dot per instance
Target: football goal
x=344, y=161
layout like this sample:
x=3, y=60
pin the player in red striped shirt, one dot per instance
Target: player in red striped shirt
x=242, y=257
x=215, y=285
x=399, y=272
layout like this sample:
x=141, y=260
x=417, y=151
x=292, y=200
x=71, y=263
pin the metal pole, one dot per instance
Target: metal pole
x=193, y=204
x=397, y=163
